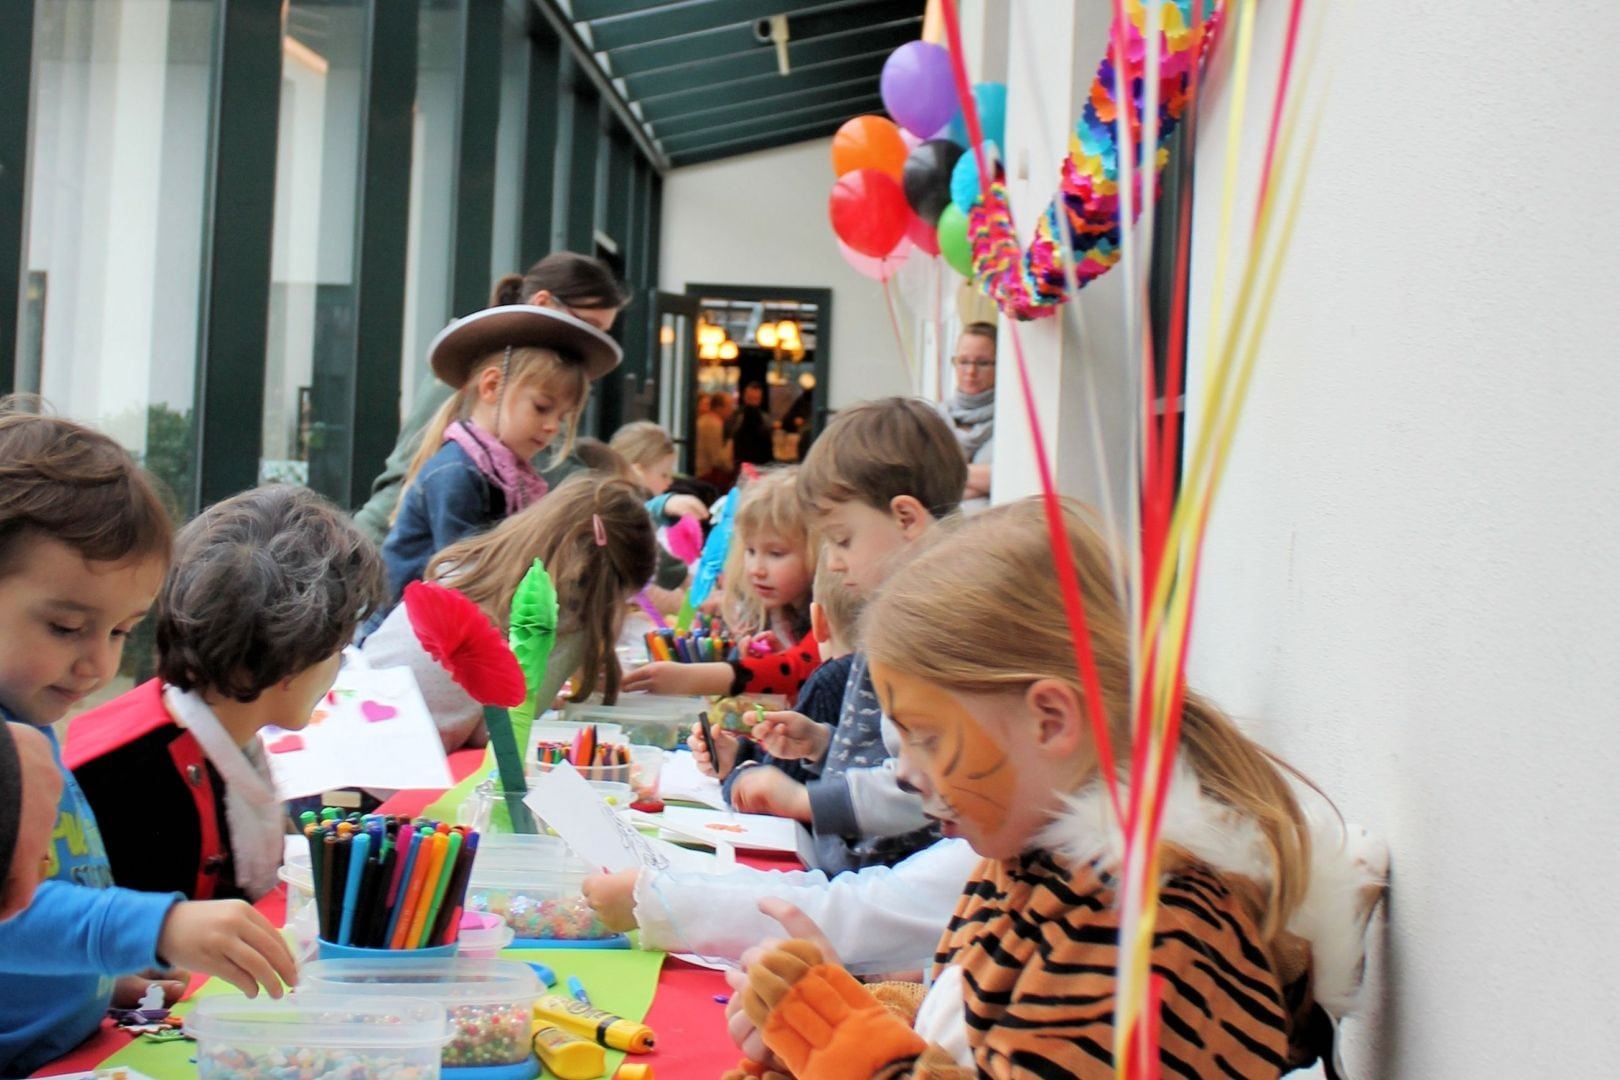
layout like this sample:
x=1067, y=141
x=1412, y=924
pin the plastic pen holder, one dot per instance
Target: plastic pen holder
x=331, y=950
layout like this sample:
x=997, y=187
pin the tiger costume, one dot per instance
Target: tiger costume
x=1025, y=973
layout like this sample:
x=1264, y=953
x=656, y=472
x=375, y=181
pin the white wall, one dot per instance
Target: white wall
x=761, y=219
x=1410, y=586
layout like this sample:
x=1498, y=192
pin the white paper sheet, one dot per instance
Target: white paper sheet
x=680, y=781
x=755, y=832
x=372, y=730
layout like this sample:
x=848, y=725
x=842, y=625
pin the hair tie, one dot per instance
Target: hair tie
x=599, y=529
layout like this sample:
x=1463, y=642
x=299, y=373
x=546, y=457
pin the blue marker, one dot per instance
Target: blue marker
x=359, y=848
x=577, y=989
x=547, y=976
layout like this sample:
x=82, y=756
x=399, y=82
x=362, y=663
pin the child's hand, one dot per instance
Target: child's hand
x=768, y=790
x=130, y=989
x=613, y=898
x=791, y=735
x=725, y=744
x=667, y=677
x=229, y=939
x=678, y=506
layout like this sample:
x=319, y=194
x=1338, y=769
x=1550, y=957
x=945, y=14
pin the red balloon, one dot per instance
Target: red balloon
x=869, y=211
x=924, y=235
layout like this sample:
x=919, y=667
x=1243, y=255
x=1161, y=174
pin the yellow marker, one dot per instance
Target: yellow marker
x=628, y=1071
x=611, y=1031
x=566, y=1057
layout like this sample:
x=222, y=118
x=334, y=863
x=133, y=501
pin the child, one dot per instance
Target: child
x=834, y=615
x=84, y=541
x=523, y=374
x=876, y=482
x=776, y=567
x=649, y=454
x=596, y=542
x=266, y=589
x=998, y=744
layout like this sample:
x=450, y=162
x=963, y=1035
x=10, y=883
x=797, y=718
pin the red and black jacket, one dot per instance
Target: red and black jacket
x=158, y=801
x=783, y=672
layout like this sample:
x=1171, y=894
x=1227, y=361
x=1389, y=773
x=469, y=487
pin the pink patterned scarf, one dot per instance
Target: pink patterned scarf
x=514, y=476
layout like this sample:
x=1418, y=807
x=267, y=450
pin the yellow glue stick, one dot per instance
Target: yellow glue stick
x=566, y=1057
x=611, y=1031
x=628, y=1071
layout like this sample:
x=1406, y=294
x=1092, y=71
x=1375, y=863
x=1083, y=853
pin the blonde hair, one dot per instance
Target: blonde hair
x=841, y=604
x=598, y=456
x=528, y=366
x=999, y=568
x=593, y=581
x=771, y=505
x=643, y=443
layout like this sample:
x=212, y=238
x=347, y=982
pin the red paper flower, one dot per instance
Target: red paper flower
x=465, y=643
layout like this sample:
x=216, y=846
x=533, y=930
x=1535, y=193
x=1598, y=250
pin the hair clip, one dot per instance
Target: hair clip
x=600, y=530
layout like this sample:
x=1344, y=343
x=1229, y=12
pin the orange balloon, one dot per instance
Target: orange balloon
x=869, y=142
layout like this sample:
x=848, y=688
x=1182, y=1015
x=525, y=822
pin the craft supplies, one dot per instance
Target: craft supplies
x=709, y=642
x=595, y=759
x=633, y=1071
x=567, y=1057
x=316, y=1035
x=642, y=719
x=487, y=1002
x=482, y=936
x=576, y=990
x=533, y=883
x=389, y=882
x=646, y=766
x=613, y=1032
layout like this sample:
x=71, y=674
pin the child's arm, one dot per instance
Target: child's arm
x=878, y=919
x=666, y=677
x=74, y=929
x=864, y=802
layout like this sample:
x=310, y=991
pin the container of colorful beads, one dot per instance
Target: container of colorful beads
x=318, y=1035
x=534, y=884
x=488, y=1004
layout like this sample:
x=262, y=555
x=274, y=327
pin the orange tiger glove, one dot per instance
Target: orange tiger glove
x=820, y=1021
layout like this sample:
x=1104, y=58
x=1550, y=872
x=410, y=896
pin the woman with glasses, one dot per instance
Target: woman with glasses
x=579, y=285
x=971, y=409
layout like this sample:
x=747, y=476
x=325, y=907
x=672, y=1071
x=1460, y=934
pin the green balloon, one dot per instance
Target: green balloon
x=953, y=240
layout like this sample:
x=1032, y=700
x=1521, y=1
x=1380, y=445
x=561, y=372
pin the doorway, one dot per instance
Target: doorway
x=773, y=338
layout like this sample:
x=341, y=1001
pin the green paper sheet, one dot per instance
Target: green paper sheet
x=622, y=981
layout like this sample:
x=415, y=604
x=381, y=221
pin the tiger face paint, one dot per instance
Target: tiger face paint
x=974, y=760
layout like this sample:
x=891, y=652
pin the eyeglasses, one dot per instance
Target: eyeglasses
x=969, y=362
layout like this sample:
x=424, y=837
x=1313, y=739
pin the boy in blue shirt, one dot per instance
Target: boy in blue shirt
x=84, y=542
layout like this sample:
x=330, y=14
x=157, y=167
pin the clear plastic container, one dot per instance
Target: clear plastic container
x=488, y=1002
x=646, y=765
x=533, y=883
x=482, y=936
x=609, y=774
x=318, y=1036
x=301, y=927
x=564, y=732
x=644, y=719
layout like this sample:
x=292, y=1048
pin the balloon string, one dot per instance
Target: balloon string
x=899, y=339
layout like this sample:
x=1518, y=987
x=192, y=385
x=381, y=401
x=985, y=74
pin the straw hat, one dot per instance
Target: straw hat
x=466, y=341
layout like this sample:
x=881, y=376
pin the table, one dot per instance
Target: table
x=689, y=1022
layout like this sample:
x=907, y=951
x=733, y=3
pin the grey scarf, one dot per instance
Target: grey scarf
x=972, y=418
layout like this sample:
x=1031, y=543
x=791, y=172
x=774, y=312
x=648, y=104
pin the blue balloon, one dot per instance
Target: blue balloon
x=990, y=98
x=965, y=178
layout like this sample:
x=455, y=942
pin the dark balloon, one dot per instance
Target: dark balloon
x=927, y=177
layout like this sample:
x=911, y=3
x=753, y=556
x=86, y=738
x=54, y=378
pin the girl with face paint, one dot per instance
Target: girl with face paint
x=1260, y=922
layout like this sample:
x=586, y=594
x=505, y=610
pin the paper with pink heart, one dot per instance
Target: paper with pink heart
x=343, y=745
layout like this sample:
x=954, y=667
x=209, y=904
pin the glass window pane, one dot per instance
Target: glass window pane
x=309, y=362
x=115, y=215
x=427, y=263
x=506, y=240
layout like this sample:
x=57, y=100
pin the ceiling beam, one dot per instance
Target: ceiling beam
x=749, y=146
x=818, y=76
x=623, y=31
x=857, y=101
x=585, y=61
x=676, y=142
x=739, y=38
x=762, y=60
